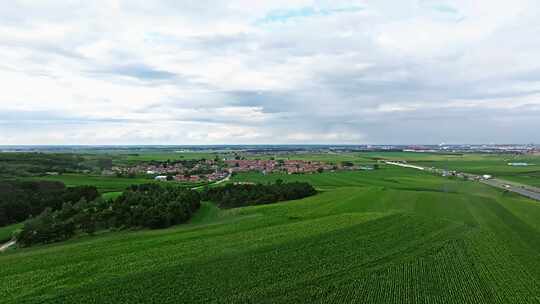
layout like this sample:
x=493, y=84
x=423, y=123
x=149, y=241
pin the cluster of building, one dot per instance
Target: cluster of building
x=272, y=166
x=212, y=177
x=287, y=166
x=191, y=171
x=212, y=170
x=467, y=176
x=166, y=168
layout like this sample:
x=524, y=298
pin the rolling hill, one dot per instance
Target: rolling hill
x=387, y=236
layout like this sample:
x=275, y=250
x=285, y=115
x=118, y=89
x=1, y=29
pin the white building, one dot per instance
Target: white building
x=160, y=178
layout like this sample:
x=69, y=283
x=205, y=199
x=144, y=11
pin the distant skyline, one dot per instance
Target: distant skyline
x=269, y=72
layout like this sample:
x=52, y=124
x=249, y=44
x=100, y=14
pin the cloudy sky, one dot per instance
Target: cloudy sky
x=279, y=71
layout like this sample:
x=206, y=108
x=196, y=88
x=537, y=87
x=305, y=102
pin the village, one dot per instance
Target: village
x=208, y=170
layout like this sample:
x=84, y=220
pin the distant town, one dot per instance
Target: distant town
x=285, y=149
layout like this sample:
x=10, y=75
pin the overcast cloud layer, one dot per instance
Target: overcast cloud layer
x=280, y=71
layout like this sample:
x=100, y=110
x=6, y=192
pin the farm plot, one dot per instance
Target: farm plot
x=388, y=236
x=475, y=163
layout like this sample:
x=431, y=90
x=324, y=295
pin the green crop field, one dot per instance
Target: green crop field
x=112, y=186
x=386, y=236
x=103, y=183
x=111, y=195
x=475, y=163
x=322, y=157
x=164, y=156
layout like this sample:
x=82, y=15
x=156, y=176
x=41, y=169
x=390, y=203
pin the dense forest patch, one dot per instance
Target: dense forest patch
x=31, y=164
x=21, y=199
x=238, y=195
x=148, y=205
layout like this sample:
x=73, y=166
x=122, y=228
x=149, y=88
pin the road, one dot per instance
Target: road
x=223, y=180
x=215, y=183
x=501, y=184
x=5, y=246
x=525, y=190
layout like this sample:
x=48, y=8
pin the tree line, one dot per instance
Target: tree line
x=147, y=205
x=238, y=195
x=22, y=199
x=32, y=164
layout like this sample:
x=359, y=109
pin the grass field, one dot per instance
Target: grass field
x=110, y=186
x=388, y=236
x=103, y=183
x=311, y=156
x=6, y=232
x=323, y=157
x=475, y=163
x=111, y=195
x=132, y=158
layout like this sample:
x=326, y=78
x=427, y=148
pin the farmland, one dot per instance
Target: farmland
x=103, y=183
x=493, y=164
x=313, y=156
x=163, y=156
x=387, y=236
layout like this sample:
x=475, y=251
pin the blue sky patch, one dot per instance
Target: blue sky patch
x=309, y=11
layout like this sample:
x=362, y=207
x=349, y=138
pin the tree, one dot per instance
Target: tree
x=177, y=212
x=347, y=164
x=66, y=229
x=41, y=229
x=3, y=217
x=231, y=196
x=104, y=163
x=148, y=205
x=67, y=211
x=154, y=218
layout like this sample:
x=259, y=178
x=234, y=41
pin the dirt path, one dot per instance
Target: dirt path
x=215, y=183
x=223, y=180
x=5, y=246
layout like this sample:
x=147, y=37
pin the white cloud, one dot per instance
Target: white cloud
x=316, y=71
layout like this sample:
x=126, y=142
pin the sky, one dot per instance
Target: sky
x=269, y=72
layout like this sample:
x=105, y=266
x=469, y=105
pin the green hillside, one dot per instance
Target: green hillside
x=386, y=236
x=6, y=232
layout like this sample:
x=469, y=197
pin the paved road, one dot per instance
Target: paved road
x=528, y=192
x=214, y=183
x=525, y=190
x=223, y=180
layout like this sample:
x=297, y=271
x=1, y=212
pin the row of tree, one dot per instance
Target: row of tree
x=31, y=164
x=22, y=199
x=148, y=205
x=237, y=195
